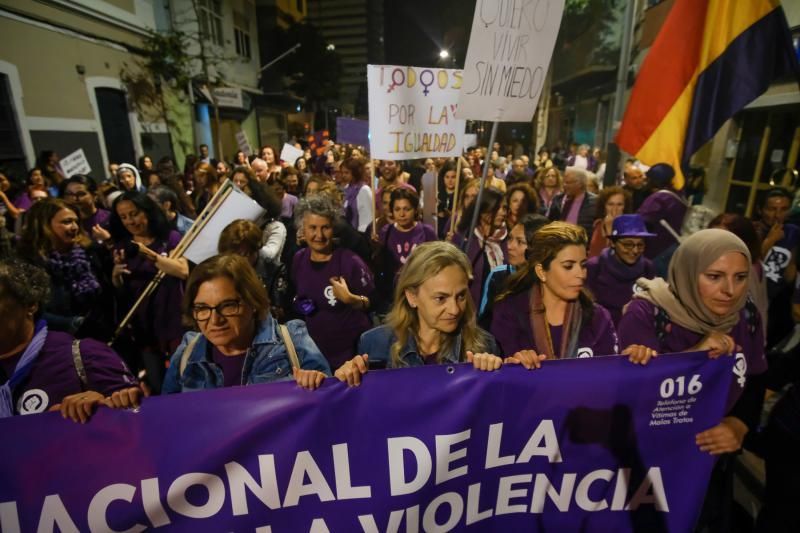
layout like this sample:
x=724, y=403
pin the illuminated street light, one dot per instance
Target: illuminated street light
x=331, y=47
x=444, y=54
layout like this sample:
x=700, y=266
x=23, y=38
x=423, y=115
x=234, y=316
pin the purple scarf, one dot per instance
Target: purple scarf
x=74, y=269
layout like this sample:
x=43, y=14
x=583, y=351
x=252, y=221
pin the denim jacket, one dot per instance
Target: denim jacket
x=377, y=343
x=266, y=360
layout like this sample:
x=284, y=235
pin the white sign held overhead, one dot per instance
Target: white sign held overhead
x=509, y=53
x=412, y=112
x=75, y=163
x=470, y=140
x=290, y=153
x=236, y=206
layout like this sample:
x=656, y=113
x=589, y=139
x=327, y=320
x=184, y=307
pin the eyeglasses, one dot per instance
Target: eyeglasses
x=629, y=246
x=228, y=308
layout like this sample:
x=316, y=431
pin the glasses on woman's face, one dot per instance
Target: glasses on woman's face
x=228, y=308
x=630, y=246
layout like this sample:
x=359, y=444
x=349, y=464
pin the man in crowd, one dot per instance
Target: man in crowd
x=635, y=183
x=575, y=205
x=779, y=243
x=261, y=169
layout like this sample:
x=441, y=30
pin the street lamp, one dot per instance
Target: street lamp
x=331, y=47
x=444, y=54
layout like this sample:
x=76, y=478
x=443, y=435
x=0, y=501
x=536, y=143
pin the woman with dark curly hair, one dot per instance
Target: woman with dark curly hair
x=44, y=370
x=82, y=303
x=142, y=243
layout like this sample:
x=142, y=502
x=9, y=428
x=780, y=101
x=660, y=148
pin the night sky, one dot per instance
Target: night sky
x=416, y=30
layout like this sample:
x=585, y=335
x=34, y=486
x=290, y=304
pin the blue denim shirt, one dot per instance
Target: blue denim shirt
x=266, y=360
x=377, y=343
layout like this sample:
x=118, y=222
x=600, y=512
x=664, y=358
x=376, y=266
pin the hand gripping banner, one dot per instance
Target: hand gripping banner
x=579, y=445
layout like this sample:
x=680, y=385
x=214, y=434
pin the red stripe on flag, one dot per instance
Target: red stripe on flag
x=665, y=73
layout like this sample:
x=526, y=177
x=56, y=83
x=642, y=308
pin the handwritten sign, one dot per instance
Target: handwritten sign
x=509, y=53
x=75, y=163
x=412, y=112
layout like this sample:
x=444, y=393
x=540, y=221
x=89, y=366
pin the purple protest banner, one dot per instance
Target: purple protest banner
x=594, y=444
x=352, y=131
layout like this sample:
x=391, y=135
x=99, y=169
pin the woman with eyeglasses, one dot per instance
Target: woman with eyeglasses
x=238, y=342
x=81, y=192
x=611, y=276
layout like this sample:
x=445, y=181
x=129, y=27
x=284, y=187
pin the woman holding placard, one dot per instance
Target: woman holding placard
x=142, y=243
x=703, y=306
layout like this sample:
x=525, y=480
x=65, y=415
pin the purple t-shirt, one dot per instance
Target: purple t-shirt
x=23, y=201
x=53, y=375
x=159, y=316
x=231, y=366
x=101, y=217
x=511, y=326
x=401, y=243
x=612, y=282
x=779, y=257
x=334, y=326
x=662, y=205
x=287, y=205
x=638, y=326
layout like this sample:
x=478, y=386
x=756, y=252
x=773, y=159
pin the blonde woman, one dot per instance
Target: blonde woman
x=431, y=322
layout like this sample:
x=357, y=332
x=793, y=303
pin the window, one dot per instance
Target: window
x=209, y=13
x=242, y=42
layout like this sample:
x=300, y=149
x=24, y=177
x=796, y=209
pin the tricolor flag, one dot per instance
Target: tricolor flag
x=710, y=59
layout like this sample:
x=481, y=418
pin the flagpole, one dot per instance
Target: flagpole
x=476, y=211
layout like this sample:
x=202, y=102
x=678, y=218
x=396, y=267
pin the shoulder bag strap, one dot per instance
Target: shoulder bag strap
x=287, y=340
x=77, y=360
x=187, y=352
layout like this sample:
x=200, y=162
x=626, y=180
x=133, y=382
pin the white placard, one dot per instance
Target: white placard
x=75, y=163
x=243, y=142
x=507, y=59
x=412, y=112
x=290, y=153
x=236, y=206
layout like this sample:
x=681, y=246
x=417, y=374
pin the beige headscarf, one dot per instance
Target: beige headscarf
x=680, y=297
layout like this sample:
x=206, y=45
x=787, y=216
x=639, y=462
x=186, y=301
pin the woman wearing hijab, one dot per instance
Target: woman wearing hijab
x=703, y=306
x=612, y=275
x=128, y=178
x=545, y=311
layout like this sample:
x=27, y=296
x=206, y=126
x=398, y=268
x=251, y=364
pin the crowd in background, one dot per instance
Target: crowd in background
x=345, y=273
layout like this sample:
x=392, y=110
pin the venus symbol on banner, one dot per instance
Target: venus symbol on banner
x=412, y=112
x=509, y=53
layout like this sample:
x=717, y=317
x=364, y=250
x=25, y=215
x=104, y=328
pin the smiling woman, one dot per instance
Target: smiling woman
x=81, y=289
x=142, y=243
